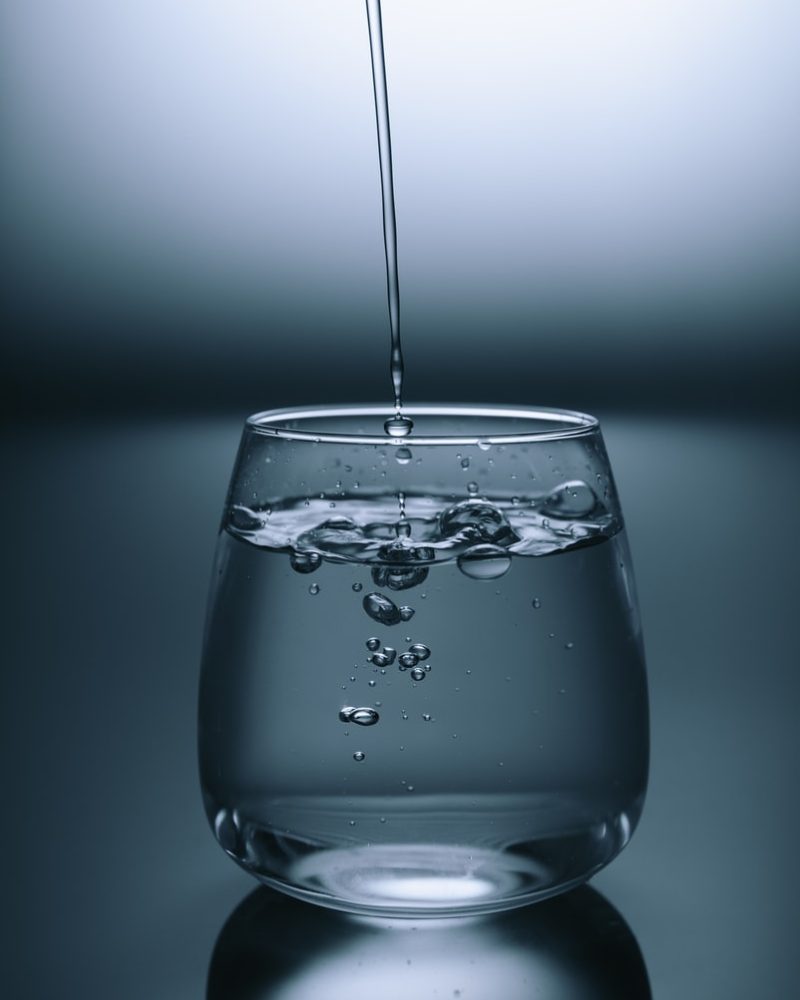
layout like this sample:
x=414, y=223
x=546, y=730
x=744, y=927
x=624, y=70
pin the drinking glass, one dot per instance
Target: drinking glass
x=423, y=690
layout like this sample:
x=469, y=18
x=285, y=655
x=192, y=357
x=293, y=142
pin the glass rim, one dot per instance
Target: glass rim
x=566, y=424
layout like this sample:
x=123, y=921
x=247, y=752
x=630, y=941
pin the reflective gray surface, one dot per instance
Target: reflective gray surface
x=113, y=884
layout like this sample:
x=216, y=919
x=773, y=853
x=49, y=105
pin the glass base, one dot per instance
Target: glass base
x=420, y=880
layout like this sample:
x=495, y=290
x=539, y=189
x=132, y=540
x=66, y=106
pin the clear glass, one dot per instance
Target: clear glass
x=423, y=689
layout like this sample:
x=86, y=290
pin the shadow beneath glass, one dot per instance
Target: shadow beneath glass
x=574, y=947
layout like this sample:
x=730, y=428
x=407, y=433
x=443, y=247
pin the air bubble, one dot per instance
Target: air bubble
x=427, y=717
x=408, y=660
x=314, y=588
x=346, y=713
x=358, y=587
x=389, y=653
x=398, y=426
x=373, y=644
x=305, y=562
x=572, y=499
x=373, y=683
x=359, y=755
x=484, y=445
x=465, y=463
x=364, y=716
x=406, y=613
x=381, y=609
x=472, y=488
x=536, y=603
x=418, y=674
x=420, y=650
x=484, y=562
x=403, y=456
x=379, y=660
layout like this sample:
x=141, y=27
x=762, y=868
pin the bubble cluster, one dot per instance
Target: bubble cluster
x=476, y=520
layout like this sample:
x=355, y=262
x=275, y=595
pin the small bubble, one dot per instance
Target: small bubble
x=427, y=717
x=359, y=755
x=380, y=660
x=352, y=822
x=562, y=690
x=346, y=713
x=305, y=562
x=358, y=587
x=404, y=714
x=372, y=683
x=484, y=445
x=381, y=609
x=465, y=463
x=408, y=660
x=314, y=588
x=472, y=488
x=373, y=644
x=569, y=645
x=536, y=603
x=389, y=653
x=403, y=456
x=406, y=613
x=420, y=650
x=418, y=674
x=398, y=426
x=484, y=562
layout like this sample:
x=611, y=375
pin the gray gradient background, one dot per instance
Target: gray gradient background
x=598, y=208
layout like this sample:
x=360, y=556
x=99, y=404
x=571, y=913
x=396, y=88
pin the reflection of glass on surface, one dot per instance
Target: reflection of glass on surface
x=575, y=947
